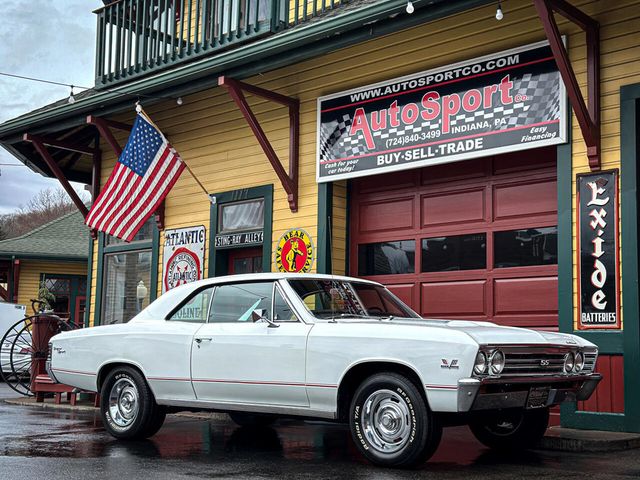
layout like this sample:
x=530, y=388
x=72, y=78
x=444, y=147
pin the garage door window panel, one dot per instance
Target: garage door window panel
x=526, y=247
x=387, y=258
x=455, y=252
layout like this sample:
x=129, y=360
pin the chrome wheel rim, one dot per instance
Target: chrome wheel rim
x=123, y=402
x=386, y=421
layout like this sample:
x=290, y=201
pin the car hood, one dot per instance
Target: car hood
x=487, y=333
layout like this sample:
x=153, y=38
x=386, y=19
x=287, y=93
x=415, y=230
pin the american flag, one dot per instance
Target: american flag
x=145, y=172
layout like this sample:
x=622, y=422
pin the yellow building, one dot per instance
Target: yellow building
x=54, y=255
x=450, y=154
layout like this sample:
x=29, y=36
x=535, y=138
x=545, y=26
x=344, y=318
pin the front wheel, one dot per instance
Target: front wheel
x=128, y=408
x=511, y=429
x=391, y=423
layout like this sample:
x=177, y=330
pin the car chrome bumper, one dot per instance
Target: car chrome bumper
x=47, y=367
x=496, y=393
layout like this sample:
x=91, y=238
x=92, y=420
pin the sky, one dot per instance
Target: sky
x=50, y=39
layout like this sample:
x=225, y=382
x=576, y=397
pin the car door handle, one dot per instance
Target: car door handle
x=203, y=339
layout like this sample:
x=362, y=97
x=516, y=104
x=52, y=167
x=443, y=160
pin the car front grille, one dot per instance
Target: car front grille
x=532, y=360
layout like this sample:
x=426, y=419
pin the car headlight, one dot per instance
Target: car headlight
x=480, y=365
x=496, y=362
x=569, y=362
x=579, y=362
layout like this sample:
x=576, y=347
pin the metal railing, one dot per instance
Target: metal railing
x=137, y=36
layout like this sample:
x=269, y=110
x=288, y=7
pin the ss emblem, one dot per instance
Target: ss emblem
x=544, y=363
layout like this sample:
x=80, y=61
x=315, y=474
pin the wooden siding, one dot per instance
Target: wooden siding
x=30, y=271
x=214, y=139
x=609, y=396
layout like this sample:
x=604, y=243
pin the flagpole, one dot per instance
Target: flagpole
x=144, y=114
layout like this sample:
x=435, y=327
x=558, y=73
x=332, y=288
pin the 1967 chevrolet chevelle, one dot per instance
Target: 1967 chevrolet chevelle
x=267, y=345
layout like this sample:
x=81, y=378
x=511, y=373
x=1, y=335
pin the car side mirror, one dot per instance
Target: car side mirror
x=261, y=314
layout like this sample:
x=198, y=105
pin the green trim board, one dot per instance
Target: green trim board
x=103, y=249
x=216, y=265
x=155, y=255
x=325, y=228
x=627, y=341
x=629, y=155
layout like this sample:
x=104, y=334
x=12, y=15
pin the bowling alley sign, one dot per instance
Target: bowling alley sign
x=512, y=100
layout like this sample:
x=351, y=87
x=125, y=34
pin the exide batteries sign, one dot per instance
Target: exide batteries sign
x=598, y=287
x=513, y=100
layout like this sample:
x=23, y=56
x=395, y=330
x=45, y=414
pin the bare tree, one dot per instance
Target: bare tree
x=44, y=207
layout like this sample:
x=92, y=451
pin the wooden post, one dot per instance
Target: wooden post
x=55, y=169
x=588, y=118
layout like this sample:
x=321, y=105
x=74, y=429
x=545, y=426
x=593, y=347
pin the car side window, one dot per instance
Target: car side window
x=235, y=303
x=196, y=309
x=282, y=312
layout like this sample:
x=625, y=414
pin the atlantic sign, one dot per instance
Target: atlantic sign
x=598, y=291
x=182, y=256
x=513, y=100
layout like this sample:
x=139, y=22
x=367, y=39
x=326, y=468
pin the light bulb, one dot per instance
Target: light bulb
x=71, y=98
x=179, y=101
x=410, y=8
x=499, y=14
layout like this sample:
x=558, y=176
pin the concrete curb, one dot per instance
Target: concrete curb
x=571, y=440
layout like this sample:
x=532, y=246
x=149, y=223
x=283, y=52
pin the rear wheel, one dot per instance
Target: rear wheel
x=511, y=429
x=251, y=419
x=128, y=408
x=391, y=423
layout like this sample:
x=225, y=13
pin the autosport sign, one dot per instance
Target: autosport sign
x=513, y=100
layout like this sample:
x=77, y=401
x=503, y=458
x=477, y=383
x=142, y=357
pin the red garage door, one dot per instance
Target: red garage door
x=469, y=240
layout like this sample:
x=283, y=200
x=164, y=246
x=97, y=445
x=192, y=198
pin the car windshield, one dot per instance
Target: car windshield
x=342, y=299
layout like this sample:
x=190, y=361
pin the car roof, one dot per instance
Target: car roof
x=249, y=277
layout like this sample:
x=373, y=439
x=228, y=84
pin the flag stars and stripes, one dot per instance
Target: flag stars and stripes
x=145, y=172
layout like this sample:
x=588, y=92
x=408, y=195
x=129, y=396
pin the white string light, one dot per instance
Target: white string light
x=410, y=8
x=499, y=14
x=71, y=99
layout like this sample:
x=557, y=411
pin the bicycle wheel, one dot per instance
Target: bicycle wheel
x=19, y=348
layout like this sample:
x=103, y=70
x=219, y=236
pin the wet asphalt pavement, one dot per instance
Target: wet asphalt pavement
x=45, y=444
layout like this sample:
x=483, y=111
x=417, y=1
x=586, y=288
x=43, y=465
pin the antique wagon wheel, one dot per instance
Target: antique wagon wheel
x=20, y=348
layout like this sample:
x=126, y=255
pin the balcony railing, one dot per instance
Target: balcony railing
x=135, y=37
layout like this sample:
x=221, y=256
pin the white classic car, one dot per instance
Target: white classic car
x=262, y=346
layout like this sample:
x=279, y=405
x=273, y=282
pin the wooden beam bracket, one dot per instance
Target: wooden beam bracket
x=39, y=145
x=588, y=116
x=288, y=179
x=104, y=126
